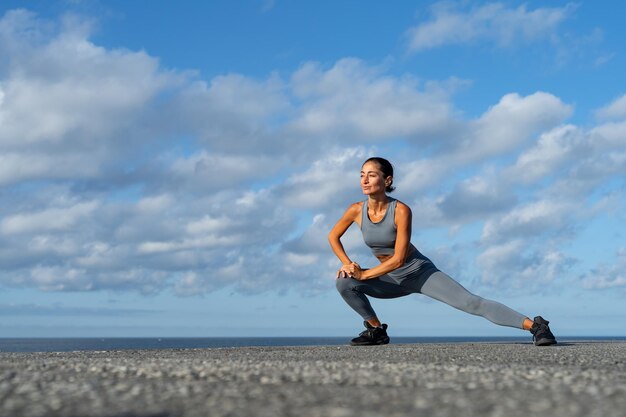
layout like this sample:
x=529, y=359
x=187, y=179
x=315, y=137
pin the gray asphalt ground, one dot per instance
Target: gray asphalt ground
x=466, y=379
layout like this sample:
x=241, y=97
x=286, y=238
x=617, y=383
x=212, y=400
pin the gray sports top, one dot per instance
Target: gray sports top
x=381, y=236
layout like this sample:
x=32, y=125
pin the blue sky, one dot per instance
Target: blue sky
x=173, y=170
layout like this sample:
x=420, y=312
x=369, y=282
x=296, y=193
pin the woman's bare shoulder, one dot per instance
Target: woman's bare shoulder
x=402, y=205
x=355, y=208
x=402, y=208
x=354, y=211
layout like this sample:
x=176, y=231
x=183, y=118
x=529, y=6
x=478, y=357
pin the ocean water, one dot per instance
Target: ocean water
x=121, y=343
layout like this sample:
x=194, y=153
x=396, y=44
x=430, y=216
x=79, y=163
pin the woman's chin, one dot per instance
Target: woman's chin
x=369, y=191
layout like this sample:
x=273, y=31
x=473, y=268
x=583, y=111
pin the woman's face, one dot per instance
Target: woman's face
x=372, y=179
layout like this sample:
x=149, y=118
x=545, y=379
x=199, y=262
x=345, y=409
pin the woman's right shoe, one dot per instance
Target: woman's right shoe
x=371, y=336
x=542, y=336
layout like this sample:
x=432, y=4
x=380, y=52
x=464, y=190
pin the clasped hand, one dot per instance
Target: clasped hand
x=352, y=270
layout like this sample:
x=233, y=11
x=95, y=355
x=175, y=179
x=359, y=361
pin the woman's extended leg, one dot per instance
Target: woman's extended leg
x=443, y=288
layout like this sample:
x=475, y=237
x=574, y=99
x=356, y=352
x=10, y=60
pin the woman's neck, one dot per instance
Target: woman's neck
x=377, y=202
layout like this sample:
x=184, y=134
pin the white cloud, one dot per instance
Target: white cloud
x=213, y=171
x=475, y=198
x=21, y=166
x=492, y=22
x=603, y=283
x=609, y=136
x=502, y=129
x=357, y=102
x=511, y=122
x=208, y=224
x=68, y=106
x=64, y=278
x=207, y=241
x=155, y=203
x=514, y=266
x=497, y=260
x=555, y=149
x=530, y=219
x=614, y=110
x=588, y=159
x=51, y=219
x=608, y=276
x=299, y=260
x=232, y=113
x=326, y=179
x=419, y=174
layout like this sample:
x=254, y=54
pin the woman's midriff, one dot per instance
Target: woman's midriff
x=383, y=258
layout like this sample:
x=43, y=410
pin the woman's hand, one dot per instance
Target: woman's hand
x=347, y=270
x=356, y=272
x=352, y=270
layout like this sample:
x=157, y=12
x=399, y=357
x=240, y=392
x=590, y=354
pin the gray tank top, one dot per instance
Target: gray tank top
x=381, y=236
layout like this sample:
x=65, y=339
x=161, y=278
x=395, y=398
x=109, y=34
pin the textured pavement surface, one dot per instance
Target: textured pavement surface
x=465, y=379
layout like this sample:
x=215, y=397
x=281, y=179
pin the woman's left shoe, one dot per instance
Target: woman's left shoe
x=542, y=336
x=371, y=336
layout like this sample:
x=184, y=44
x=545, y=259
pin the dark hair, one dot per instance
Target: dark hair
x=386, y=168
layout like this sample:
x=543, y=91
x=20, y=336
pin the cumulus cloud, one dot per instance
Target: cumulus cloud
x=357, y=102
x=145, y=246
x=493, y=22
x=475, y=198
x=510, y=123
x=503, y=129
x=231, y=113
x=327, y=179
x=50, y=219
x=608, y=276
x=522, y=245
x=566, y=166
x=512, y=265
x=554, y=149
x=589, y=159
x=530, y=219
x=67, y=106
x=614, y=110
x=212, y=171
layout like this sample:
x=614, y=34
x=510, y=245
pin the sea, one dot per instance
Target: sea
x=122, y=343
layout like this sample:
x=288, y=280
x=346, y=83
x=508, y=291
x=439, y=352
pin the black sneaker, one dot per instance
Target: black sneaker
x=542, y=336
x=371, y=336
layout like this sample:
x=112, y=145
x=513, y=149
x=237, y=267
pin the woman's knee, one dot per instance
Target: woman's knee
x=345, y=284
x=473, y=304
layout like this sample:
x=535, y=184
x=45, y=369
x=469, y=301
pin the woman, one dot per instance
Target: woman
x=403, y=270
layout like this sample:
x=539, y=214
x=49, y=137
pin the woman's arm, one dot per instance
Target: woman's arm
x=334, y=237
x=401, y=249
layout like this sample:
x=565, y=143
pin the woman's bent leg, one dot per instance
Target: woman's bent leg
x=443, y=288
x=354, y=293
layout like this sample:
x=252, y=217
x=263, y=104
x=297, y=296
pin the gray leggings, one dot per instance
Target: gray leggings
x=432, y=283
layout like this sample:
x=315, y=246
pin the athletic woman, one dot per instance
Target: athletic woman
x=386, y=226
